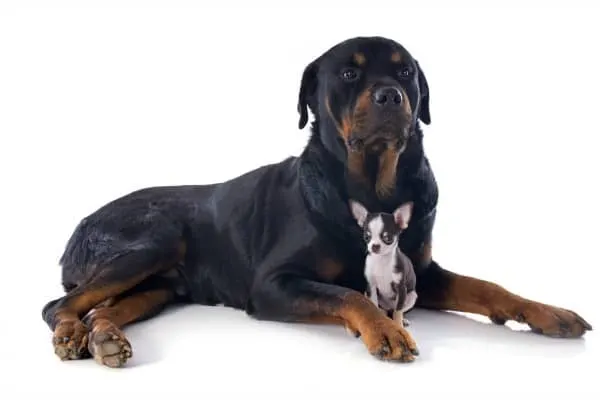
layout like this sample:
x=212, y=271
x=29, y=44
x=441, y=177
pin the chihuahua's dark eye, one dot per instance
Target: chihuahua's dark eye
x=367, y=236
x=386, y=237
x=349, y=74
x=405, y=72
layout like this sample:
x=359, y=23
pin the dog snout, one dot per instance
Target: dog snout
x=387, y=96
x=375, y=248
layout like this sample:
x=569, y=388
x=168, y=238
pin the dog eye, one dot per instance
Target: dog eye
x=367, y=236
x=405, y=72
x=349, y=74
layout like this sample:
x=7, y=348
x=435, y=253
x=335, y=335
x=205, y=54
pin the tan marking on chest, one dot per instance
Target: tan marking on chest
x=329, y=269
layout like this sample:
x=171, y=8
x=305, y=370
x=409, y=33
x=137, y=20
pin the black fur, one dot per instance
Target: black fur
x=409, y=278
x=257, y=242
x=253, y=242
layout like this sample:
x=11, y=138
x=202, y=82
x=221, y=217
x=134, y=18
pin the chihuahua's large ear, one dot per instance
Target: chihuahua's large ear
x=359, y=212
x=308, y=89
x=424, y=114
x=402, y=214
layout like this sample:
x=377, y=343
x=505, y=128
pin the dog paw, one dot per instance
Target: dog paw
x=70, y=340
x=497, y=320
x=109, y=346
x=386, y=340
x=553, y=321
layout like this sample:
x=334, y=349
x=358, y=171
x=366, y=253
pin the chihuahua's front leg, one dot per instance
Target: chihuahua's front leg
x=372, y=294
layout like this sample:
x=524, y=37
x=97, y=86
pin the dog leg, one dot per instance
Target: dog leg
x=106, y=342
x=333, y=321
x=400, y=320
x=444, y=290
x=374, y=295
x=294, y=299
x=64, y=315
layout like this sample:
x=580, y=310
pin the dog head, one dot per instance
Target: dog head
x=381, y=230
x=367, y=95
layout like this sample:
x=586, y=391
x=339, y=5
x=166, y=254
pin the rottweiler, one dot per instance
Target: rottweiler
x=279, y=242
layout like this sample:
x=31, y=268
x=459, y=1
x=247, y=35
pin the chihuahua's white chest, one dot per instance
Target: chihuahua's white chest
x=380, y=274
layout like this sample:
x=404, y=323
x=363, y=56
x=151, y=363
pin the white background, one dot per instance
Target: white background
x=101, y=98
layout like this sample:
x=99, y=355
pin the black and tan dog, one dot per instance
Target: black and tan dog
x=280, y=242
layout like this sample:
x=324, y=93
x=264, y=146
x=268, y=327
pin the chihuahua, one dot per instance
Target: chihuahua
x=389, y=272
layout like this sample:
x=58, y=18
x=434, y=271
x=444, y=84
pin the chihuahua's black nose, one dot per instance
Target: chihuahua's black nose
x=387, y=96
x=375, y=248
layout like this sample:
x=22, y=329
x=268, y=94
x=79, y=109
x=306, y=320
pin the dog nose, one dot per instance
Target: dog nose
x=375, y=248
x=387, y=96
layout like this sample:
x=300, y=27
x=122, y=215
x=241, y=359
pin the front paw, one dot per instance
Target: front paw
x=547, y=320
x=554, y=321
x=386, y=340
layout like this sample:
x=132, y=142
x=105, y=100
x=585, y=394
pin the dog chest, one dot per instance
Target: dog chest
x=380, y=273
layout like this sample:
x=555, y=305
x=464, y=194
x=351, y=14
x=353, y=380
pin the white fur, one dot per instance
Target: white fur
x=359, y=212
x=380, y=267
x=409, y=302
x=379, y=272
x=402, y=214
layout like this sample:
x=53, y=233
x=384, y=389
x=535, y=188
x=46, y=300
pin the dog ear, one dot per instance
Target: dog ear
x=359, y=212
x=402, y=214
x=424, y=100
x=308, y=89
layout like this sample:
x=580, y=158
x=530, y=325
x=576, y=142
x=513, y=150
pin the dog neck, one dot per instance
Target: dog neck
x=327, y=183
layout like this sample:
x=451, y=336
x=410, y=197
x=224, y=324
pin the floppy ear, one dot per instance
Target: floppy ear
x=308, y=88
x=402, y=214
x=359, y=212
x=424, y=100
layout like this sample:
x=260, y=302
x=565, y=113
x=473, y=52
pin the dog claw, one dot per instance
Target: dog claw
x=385, y=350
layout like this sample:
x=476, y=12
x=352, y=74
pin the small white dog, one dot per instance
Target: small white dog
x=389, y=272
